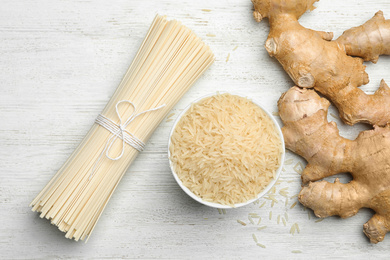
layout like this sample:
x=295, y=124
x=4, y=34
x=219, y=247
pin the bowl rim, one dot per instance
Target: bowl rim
x=214, y=204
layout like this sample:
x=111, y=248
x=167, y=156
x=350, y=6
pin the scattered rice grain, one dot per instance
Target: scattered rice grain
x=333, y=115
x=254, y=238
x=241, y=222
x=271, y=197
x=261, y=228
x=228, y=57
x=319, y=220
x=296, y=251
x=235, y=48
x=293, y=205
x=278, y=219
x=210, y=35
x=297, y=227
x=284, y=193
x=286, y=215
x=206, y=10
x=292, y=229
x=298, y=168
x=270, y=215
x=251, y=220
x=288, y=162
x=284, y=222
x=262, y=205
x=261, y=245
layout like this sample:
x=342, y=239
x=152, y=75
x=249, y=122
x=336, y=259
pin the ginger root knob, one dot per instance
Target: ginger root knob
x=271, y=46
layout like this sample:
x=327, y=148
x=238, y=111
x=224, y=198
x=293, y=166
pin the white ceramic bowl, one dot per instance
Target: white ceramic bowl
x=213, y=204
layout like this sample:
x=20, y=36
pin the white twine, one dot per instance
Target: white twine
x=119, y=131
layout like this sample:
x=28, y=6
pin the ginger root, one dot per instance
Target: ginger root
x=308, y=133
x=335, y=69
x=369, y=40
x=313, y=60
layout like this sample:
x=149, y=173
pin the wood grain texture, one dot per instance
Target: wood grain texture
x=60, y=61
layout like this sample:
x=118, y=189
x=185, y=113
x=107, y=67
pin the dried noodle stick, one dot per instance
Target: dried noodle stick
x=170, y=59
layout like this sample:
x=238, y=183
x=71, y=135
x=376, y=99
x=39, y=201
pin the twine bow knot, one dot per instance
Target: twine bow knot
x=119, y=131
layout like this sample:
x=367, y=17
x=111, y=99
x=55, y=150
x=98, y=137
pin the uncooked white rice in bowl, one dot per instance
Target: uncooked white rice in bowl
x=226, y=150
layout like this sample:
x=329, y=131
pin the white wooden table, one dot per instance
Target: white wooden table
x=59, y=63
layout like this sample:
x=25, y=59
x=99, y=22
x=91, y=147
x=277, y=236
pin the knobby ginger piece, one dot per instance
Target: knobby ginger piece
x=308, y=133
x=369, y=40
x=313, y=60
